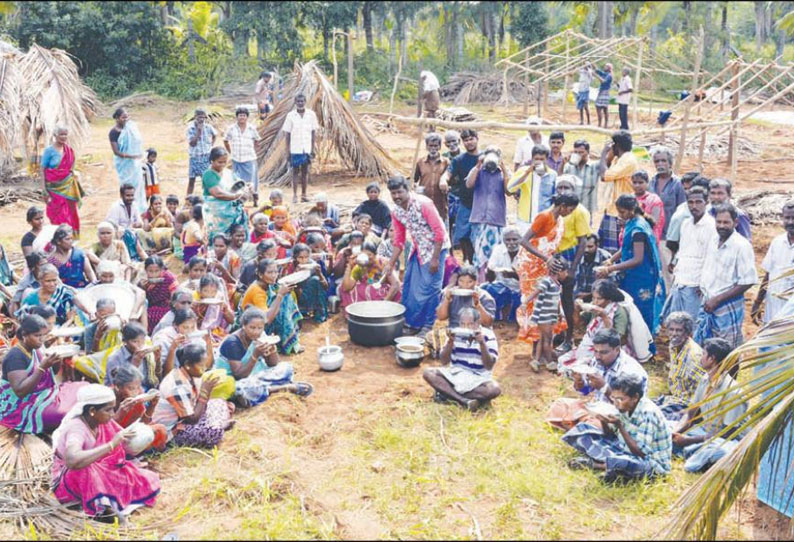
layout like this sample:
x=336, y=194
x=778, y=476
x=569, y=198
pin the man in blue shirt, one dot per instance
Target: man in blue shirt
x=602, y=101
x=458, y=171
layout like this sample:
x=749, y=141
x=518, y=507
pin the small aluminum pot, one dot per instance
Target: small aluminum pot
x=333, y=304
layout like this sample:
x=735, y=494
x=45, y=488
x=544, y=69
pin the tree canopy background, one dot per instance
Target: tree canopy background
x=189, y=50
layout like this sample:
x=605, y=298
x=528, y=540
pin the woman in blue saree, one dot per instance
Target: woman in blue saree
x=54, y=293
x=640, y=265
x=223, y=209
x=127, y=145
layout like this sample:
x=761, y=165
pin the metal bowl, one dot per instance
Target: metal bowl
x=330, y=358
x=409, y=355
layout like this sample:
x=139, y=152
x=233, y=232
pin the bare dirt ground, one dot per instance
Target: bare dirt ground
x=369, y=455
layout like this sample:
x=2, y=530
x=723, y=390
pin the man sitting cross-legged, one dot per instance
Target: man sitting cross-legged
x=635, y=443
x=468, y=359
x=716, y=389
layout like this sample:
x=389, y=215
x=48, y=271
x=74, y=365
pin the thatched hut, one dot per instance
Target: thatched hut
x=39, y=90
x=340, y=129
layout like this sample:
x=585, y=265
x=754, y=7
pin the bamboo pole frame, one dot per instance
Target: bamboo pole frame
x=567, y=75
x=682, y=139
x=636, y=91
x=522, y=127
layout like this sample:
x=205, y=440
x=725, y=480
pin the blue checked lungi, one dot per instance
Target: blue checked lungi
x=462, y=225
x=582, y=98
x=422, y=291
x=247, y=172
x=702, y=455
x=609, y=233
x=198, y=165
x=592, y=442
x=504, y=297
x=672, y=411
x=683, y=298
x=725, y=322
x=603, y=98
x=568, y=255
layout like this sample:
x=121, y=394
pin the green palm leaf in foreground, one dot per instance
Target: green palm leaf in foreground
x=767, y=383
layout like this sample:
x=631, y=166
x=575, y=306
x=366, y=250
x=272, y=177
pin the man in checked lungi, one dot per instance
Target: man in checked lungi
x=728, y=272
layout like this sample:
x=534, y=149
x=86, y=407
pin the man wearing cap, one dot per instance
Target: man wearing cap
x=523, y=154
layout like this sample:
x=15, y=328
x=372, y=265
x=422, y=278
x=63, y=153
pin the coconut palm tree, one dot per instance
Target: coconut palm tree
x=767, y=384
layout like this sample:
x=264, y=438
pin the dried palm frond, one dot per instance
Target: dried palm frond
x=768, y=388
x=53, y=94
x=26, y=498
x=10, y=108
x=340, y=130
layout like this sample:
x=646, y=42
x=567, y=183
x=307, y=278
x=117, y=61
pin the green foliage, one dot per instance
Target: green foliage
x=118, y=45
x=530, y=22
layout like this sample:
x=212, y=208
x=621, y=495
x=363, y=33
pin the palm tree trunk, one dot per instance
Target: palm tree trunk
x=366, y=20
x=760, y=8
x=724, y=32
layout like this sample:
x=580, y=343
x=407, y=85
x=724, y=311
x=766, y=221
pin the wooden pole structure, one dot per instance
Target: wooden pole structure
x=525, y=111
x=418, y=146
x=695, y=78
x=350, y=89
x=546, y=84
x=635, y=94
x=732, y=142
x=522, y=127
x=333, y=59
x=396, y=79
x=701, y=150
x=567, y=75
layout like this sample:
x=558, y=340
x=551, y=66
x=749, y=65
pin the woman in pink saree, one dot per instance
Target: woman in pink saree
x=64, y=193
x=90, y=464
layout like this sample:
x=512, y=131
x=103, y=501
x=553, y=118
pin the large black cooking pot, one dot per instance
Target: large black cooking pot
x=375, y=323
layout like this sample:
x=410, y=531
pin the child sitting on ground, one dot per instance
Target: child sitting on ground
x=546, y=314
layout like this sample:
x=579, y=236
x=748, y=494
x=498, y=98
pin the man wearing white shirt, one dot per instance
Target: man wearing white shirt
x=239, y=140
x=700, y=232
x=624, y=96
x=779, y=259
x=300, y=127
x=523, y=154
x=123, y=213
x=728, y=272
x=429, y=97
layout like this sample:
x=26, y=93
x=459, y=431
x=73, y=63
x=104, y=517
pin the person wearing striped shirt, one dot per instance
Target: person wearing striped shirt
x=468, y=357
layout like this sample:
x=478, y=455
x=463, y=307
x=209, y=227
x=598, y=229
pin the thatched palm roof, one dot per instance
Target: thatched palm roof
x=40, y=90
x=339, y=127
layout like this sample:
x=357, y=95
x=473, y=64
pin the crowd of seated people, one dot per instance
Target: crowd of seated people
x=181, y=315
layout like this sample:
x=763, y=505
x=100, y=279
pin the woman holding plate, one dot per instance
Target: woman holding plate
x=251, y=358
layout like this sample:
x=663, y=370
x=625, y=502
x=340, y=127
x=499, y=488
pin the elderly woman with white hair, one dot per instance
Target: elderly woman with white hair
x=90, y=461
x=61, y=186
x=108, y=248
x=502, y=277
x=329, y=214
